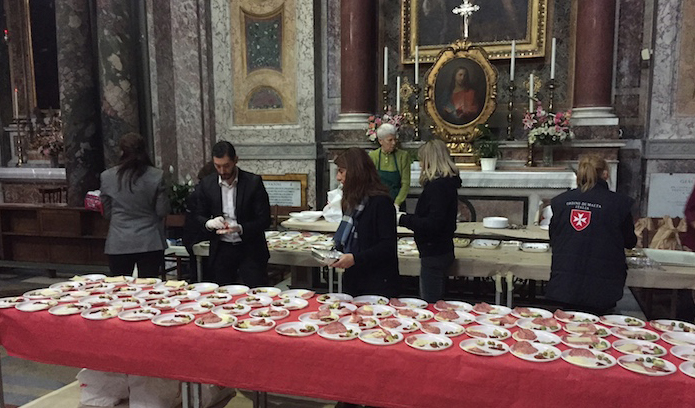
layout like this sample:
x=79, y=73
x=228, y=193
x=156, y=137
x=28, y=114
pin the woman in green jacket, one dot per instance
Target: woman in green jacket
x=393, y=165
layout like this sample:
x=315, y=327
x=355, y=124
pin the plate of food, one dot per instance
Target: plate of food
x=536, y=336
x=118, y=280
x=495, y=310
x=269, y=291
x=90, y=277
x=524, y=312
x=371, y=300
x=66, y=286
x=321, y=317
x=297, y=293
x=679, y=339
x=139, y=315
x=255, y=300
x=588, y=358
x=535, y=352
x=213, y=321
x=254, y=325
x=100, y=313
x=164, y=303
x=231, y=309
x=634, y=333
x=534, y=247
x=11, y=301
x=639, y=348
x=363, y=322
x=407, y=303
x=296, y=329
x=339, y=331
x=98, y=287
x=420, y=315
x=68, y=309
x=428, y=342
x=195, y=307
x=98, y=300
x=647, y=365
x=127, y=302
x=622, y=321
x=342, y=308
x=587, y=341
x=334, y=297
x=682, y=352
x=173, y=319
x=539, y=323
x=291, y=303
x=400, y=324
x=501, y=321
x=486, y=348
x=485, y=243
x=42, y=293
x=144, y=282
x=124, y=290
x=274, y=313
x=590, y=328
x=455, y=316
x=575, y=317
x=375, y=310
x=448, y=329
x=203, y=287
x=453, y=305
x=688, y=368
x=152, y=294
x=381, y=337
x=461, y=242
x=172, y=284
x=234, y=290
x=216, y=298
x=488, y=332
x=184, y=295
x=667, y=325
x=72, y=296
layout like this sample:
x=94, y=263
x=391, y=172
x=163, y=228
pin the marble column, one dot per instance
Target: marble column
x=117, y=73
x=358, y=68
x=594, y=63
x=79, y=95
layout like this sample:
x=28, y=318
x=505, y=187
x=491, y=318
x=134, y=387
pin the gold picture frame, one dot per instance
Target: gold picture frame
x=493, y=27
x=460, y=92
x=283, y=188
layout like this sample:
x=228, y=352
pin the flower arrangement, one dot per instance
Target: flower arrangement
x=546, y=128
x=178, y=192
x=375, y=121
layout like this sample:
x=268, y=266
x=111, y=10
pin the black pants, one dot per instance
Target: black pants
x=150, y=264
x=235, y=264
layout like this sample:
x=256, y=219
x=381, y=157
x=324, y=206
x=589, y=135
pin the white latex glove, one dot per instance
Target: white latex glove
x=399, y=214
x=216, y=223
x=398, y=207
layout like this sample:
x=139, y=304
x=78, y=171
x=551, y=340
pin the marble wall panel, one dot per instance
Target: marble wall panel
x=287, y=166
x=685, y=86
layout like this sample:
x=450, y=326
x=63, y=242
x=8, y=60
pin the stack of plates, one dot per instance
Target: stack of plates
x=495, y=222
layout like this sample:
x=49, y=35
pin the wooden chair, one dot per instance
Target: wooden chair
x=54, y=195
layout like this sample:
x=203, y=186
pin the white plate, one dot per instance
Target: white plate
x=195, y=307
x=622, y=321
x=72, y=296
x=534, y=247
x=366, y=322
x=529, y=324
x=342, y=308
x=69, y=309
x=216, y=298
x=379, y=311
x=334, y=297
x=172, y=285
x=495, y=222
x=118, y=280
x=461, y=317
x=36, y=305
x=164, y=304
x=547, y=352
x=297, y=293
x=202, y=287
x=255, y=301
x=635, y=333
x=400, y=324
x=247, y=325
x=307, y=318
x=488, y=332
x=265, y=291
x=491, y=310
x=688, y=368
x=581, y=328
x=577, y=317
x=66, y=286
x=485, y=243
x=352, y=332
x=279, y=313
x=599, y=360
x=679, y=339
x=92, y=277
x=291, y=303
x=301, y=329
x=421, y=315
x=453, y=305
x=234, y=290
x=428, y=342
x=507, y=321
x=640, y=348
x=525, y=312
x=484, y=347
x=11, y=301
x=377, y=338
x=408, y=303
x=42, y=293
x=101, y=300
x=144, y=282
x=448, y=329
x=127, y=302
x=124, y=291
x=602, y=344
x=184, y=295
x=638, y=364
x=371, y=299
x=461, y=242
x=542, y=337
x=225, y=321
x=100, y=313
x=682, y=352
x=672, y=326
x=173, y=319
x=98, y=287
x=152, y=294
x=231, y=309
x=139, y=315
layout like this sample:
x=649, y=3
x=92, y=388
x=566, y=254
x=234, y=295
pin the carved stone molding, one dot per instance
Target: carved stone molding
x=670, y=149
x=286, y=151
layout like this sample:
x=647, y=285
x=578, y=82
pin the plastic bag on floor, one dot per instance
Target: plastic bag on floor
x=102, y=389
x=151, y=392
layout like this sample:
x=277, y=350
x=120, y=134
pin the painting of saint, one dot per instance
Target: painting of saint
x=460, y=91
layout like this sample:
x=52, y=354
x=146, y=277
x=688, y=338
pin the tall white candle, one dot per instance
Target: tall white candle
x=398, y=94
x=386, y=66
x=15, y=104
x=530, y=93
x=552, y=60
x=512, y=65
x=417, y=65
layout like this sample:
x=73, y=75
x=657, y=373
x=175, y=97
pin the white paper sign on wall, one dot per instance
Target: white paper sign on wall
x=668, y=193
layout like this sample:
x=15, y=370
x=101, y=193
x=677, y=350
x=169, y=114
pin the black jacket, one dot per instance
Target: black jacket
x=588, y=234
x=434, y=221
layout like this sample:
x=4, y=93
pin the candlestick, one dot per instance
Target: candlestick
x=511, y=67
x=385, y=96
x=530, y=93
x=552, y=60
x=416, y=118
x=398, y=94
x=510, y=109
x=386, y=66
x=15, y=104
x=417, y=65
x=551, y=96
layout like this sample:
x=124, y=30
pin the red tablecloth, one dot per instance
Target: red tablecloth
x=388, y=376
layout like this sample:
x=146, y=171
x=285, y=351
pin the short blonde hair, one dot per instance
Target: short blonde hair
x=384, y=130
x=435, y=162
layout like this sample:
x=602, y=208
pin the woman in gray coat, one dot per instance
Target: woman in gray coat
x=134, y=198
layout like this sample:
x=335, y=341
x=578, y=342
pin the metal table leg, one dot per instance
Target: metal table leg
x=260, y=399
x=2, y=392
x=185, y=400
x=190, y=395
x=340, y=282
x=331, y=271
x=510, y=287
x=199, y=265
x=498, y=288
